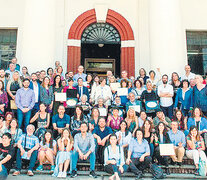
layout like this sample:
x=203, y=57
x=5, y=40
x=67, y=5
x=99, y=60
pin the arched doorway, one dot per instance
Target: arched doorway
x=127, y=57
x=100, y=49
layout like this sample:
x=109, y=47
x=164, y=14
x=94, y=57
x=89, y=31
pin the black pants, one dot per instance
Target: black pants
x=100, y=154
x=112, y=168
x=163, y=160
x=136, y=166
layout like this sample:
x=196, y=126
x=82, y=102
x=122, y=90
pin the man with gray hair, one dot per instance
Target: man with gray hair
x=28, y=145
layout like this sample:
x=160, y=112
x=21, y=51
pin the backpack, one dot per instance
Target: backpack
x=156, y=171
x=202, y=168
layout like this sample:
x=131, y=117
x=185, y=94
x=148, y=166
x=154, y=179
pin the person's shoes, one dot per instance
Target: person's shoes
x=173, y=163
x=139, y=175
x=179, y=163
x=196, y=172
x=30, y=173
x=60, y=174
x=52, y=168
x=64, y=174
x=93, y=174
x=167, y=171
x=73, y=174
x=39, y=168
x=16, y=173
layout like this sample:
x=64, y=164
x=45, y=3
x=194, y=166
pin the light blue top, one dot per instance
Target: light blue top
x=177, y=138
x=118, y=156
x=138, y=149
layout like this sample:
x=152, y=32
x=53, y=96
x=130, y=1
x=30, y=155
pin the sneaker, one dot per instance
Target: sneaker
x=16, y=173
x=93, y=174
x=179, y=163
x=167, y=171
x=60, y=174
x=39, y=168
x=73, y=174
x=139, y=175
x=196, y=172
x=52, y=168
x=30, y=173
x=64, y=174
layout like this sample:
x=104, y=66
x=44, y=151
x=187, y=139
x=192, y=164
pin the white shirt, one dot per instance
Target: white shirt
x=35, y=89
x=124, y=139
x=103, y=92
x=165, y=101
x=189, y=77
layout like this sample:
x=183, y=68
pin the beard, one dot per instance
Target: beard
x=164, y=82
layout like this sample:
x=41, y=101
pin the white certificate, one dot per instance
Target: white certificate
x=102, y=111
x=122, y=91
x=167, y=150
x=114, y=86
x=136, y=108
x=60, y=96
x=85, y=84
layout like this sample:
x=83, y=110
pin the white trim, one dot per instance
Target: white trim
x=128, y=43
x=101, y=12
x=74, y=42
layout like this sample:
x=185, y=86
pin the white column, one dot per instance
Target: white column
x=167, y=36
x=38, y=35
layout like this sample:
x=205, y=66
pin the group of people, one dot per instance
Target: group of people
x=117, y=122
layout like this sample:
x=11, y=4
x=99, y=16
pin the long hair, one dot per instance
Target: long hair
x=2, y=85
x=54, y=84
x=95, y=108
x=13, y=119
x=70, y=136
x=164, y=131
x=43, y=82
x=126, y=130
x=193, y=114
x=197, y=136
x=134, y=114
x=51, y=139
x=143, y=127
x=75, y=114
x=18, y=80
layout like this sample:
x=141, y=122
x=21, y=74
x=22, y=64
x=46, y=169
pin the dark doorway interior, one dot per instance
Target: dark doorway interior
x=108, y=51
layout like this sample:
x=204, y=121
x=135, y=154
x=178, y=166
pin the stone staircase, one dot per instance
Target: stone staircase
x=184, y=172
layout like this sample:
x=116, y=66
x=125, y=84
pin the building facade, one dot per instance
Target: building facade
x=118, y=34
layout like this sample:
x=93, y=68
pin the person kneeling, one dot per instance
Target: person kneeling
x=84, y=147
x=138, y=154
x=114, y=159
x=27, y=149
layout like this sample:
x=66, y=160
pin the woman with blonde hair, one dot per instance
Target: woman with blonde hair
x=65, y=144
x=132, y=120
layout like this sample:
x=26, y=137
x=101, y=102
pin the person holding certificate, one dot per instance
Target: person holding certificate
x=133, y=103
x=177, y=137
x=161, y=137
x=124, y=84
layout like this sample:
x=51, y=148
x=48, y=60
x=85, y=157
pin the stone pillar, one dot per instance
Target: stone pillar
x=38, y=35
x=167, y=36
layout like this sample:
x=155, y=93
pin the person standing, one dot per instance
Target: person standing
x=25, y=101
x=80, y=74
x=188, y=74
x=165, y=92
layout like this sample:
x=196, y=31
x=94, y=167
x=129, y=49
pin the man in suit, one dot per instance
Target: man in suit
x=81, y=89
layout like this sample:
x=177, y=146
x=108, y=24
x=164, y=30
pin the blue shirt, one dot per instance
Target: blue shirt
x=31, y=141
x=201, y=126
x=138, y=149
x=177, y=138
x=61, y=123
x=76, y=76
x=102, y=134
x=25, y=98
x=200, y=98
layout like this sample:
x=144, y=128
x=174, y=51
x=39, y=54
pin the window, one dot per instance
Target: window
x=197, y=51
x=8, y=38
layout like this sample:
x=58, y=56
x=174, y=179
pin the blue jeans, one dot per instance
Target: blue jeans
x=3, y=173
x=21, y=116
x=32, y=160
x=75, y=157
x=168, y=111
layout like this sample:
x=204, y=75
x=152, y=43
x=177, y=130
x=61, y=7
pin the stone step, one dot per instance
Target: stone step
x=128, y=174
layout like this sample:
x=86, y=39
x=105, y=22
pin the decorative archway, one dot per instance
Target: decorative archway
x=114, y=18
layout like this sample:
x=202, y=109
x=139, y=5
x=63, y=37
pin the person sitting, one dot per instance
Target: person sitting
x=124, y=84
x=94, y=119
x=60, y=121
x=8, y=117
x=142, y=118
x=65, y=144
x=47, y=151
x=6, y=154
x=138, y=154
x=77, y=119
x=85, y=105
x=102, y=108
x=84, y=148
x=114, y=119
x=43, y=120
x=161, y=137
x=195, y=147
x=117, y=103
x=138, y=89
x=132, y=101
x=114, y=162
x=160, y=117
x=28, y=145
x=101, y=134
x=198, y=120
x=177, y=138
x=3, y=127
x=3, y=98
x=182, y=121
x=124, y=136
x=132, y=121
